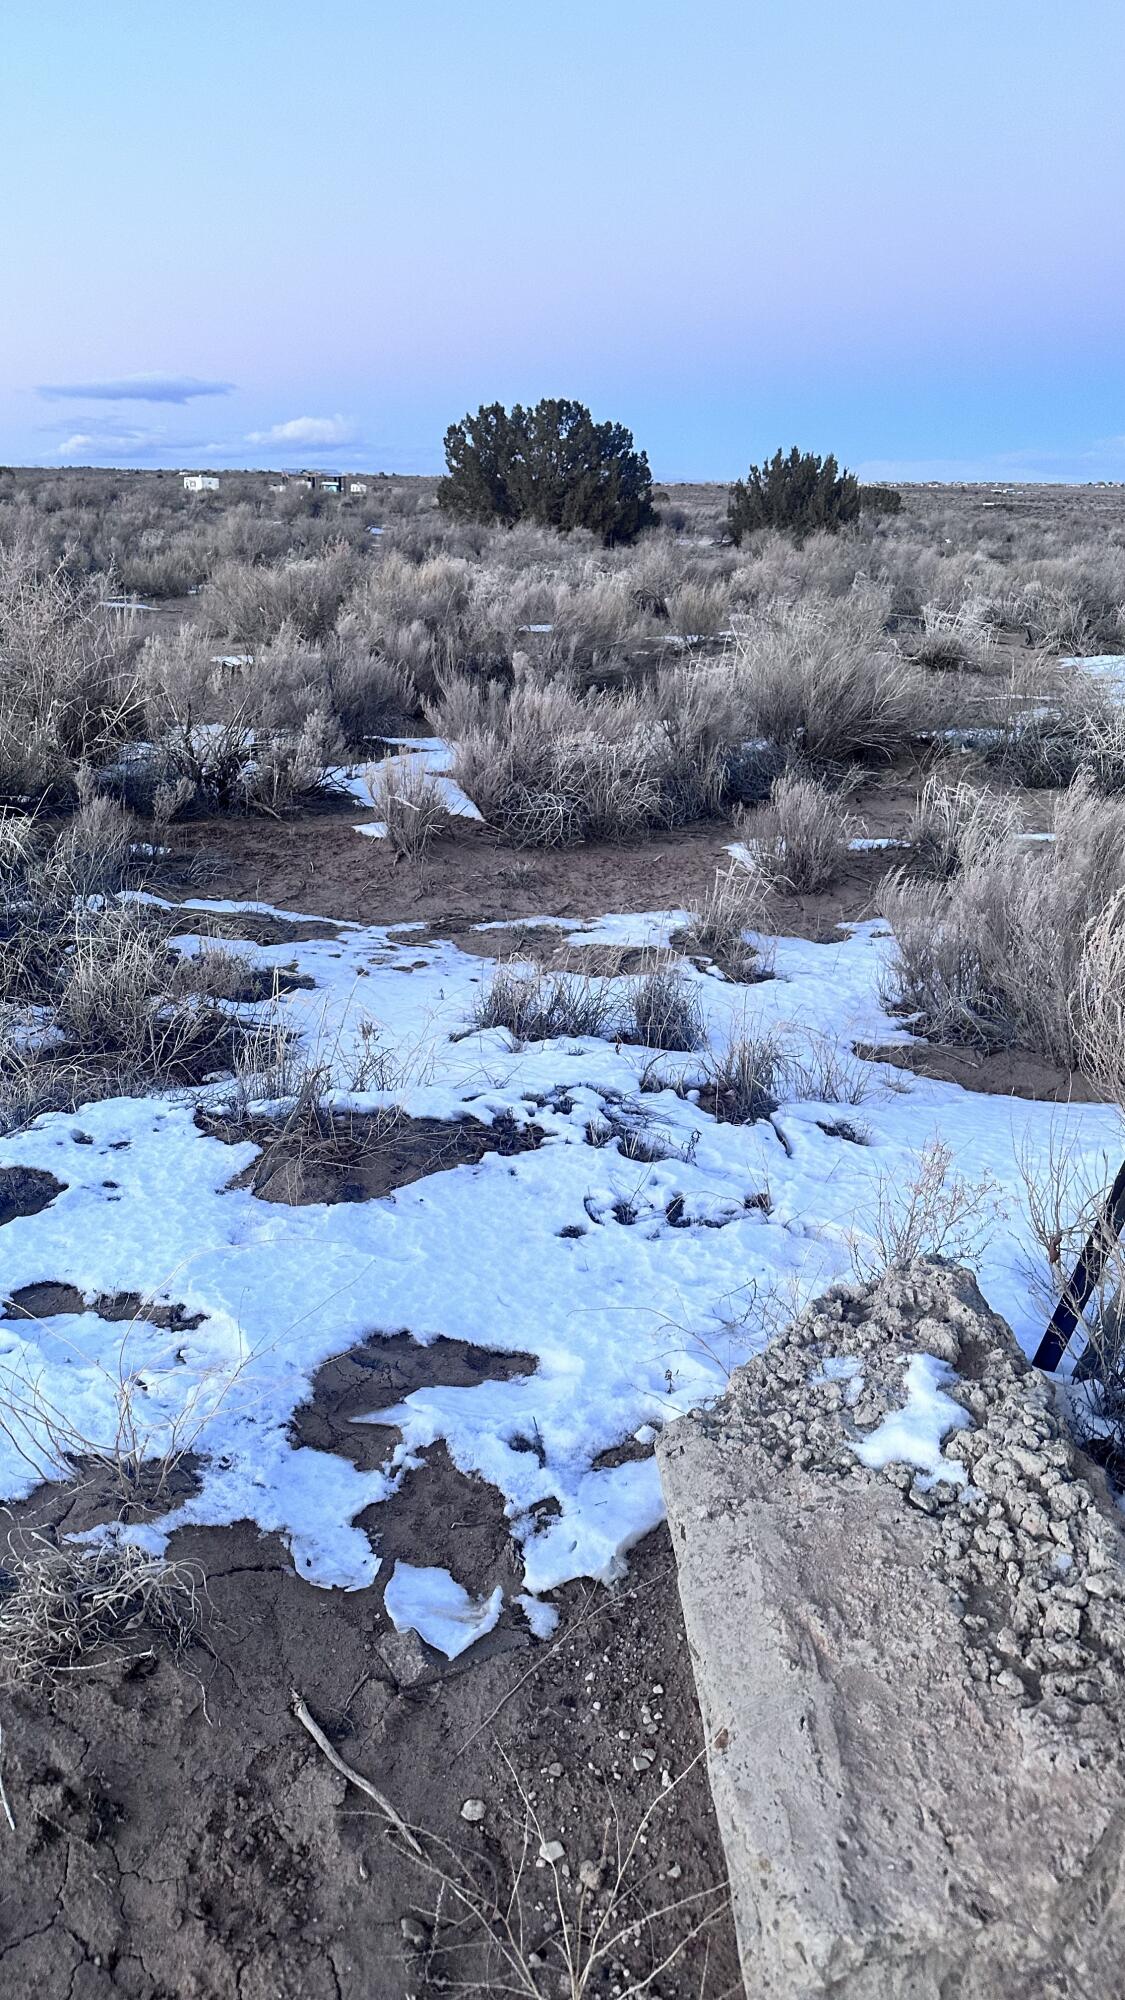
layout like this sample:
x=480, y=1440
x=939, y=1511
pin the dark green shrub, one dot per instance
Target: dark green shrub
x=552, y=465
x=880, y=500
x=798, y=494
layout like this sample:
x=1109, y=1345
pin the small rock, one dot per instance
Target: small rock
x=591, y=1874
x=642, y=1759
x=674, y=1872
x=473, y=1811
x=551, y=1851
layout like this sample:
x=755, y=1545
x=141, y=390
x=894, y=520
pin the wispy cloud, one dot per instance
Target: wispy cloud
x=307, y=430
x=136, y=389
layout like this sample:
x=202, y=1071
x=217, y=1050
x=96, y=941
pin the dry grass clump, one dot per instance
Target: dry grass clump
x=995, y=956
x=747, y=1079
x=410, y=802
x=663, y=1010
x=549, y=767
x=67, y=674
x=799, y=842
x=953, y=826
x=718, y=926
x=67, y=1607
x=822, y=681
x=538, y=1006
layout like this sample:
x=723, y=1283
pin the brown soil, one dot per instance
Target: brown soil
x=381, y=1372
x=1000, y=1072
x=42, y=1301
x=179, y=1837
x=320, y=865
x=26, y=1190
x=353, y=1157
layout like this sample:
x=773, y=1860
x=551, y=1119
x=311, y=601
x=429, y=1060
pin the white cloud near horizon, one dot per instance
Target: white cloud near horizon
x=135, y=389
x=307, y=430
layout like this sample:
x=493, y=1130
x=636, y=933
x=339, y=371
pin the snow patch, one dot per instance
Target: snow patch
x=433, y=1604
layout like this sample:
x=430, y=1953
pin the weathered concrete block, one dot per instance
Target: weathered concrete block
x=913, y=1689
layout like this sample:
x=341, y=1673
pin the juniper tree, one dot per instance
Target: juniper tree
x=798, y=494
x=552, y=465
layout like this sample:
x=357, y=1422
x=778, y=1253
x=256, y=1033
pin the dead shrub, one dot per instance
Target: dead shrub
x=66, y=1607
x=995, y=956
x=799, y=842
x=537, y=1006
x=932, y=1212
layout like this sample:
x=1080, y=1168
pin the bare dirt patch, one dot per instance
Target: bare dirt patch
x=320, y=864
x=178, y=1834
x=26, y=1191
x=352, y=1157
x=43, y=1301
x=999, y=1073
x=380, y=1373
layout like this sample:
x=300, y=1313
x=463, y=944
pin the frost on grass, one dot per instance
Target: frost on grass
x=638, y=1254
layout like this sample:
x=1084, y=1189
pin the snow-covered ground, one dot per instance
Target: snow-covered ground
x=635, y=1286
x=432, y=753
x=1109, y=667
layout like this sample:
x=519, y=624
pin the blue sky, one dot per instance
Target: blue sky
x=259, y=232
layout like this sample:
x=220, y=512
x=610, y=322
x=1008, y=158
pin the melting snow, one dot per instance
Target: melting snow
x=431, y=752
x=594, y=1264
x=914, y=1435
x=433, y=1604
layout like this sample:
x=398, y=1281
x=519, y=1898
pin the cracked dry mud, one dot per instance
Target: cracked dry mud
x=178, y=1836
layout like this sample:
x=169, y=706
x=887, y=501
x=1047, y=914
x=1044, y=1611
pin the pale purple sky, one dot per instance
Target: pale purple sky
x=269, y=233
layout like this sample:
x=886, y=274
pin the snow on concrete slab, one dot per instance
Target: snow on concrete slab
x=915, y=1434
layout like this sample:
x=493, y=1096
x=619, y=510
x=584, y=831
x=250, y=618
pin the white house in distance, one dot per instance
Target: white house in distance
x=200, y=482
x=324, y=482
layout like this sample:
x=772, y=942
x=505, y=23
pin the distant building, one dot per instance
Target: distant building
x=200, y=482
x=327, y=482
